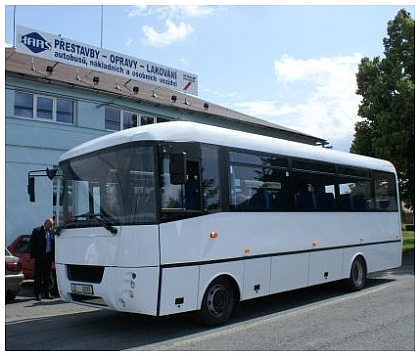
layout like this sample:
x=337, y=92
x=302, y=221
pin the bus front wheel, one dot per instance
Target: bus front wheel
x=218, y=303
x=357, y=277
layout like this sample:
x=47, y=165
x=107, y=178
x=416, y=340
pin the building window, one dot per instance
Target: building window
x=129, y=119
x=45, y=108
x=65, y=111
x=116, y=119
x=24, y=105
x=147, y=120
x=162, y=119
x=112, y=119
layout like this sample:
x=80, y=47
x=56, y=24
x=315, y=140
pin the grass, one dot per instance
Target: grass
x=408, y=240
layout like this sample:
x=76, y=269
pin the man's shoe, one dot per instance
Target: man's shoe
x=49, y=296
x=38, y=297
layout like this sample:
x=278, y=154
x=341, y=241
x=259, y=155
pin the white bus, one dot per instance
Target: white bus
x=179, y=216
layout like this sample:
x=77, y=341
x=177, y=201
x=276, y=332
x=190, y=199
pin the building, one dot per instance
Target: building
x=51, y=107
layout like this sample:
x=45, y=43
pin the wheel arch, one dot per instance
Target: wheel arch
x=363, y=258
x=220, y=300
x=235, y=285
x=350, y=261
x=226, y=276
x=356, y=279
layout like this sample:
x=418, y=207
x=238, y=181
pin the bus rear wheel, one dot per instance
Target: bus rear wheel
x=357, y=279
x=218, y=303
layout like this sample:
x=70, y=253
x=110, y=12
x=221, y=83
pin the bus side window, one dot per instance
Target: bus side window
x=177, y=168
x=210, y=181
x=192, y=186
x=385, y=191
x=171, y=194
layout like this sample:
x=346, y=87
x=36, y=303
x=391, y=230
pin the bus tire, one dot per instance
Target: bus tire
x=357, y=279
x=218, y=303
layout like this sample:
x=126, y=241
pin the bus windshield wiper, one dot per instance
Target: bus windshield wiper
x=105, y=222
x=101, y=219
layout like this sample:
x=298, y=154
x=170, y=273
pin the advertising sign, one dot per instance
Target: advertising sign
x=59, y=49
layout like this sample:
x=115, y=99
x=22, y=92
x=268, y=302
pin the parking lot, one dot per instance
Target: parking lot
x=380, y=317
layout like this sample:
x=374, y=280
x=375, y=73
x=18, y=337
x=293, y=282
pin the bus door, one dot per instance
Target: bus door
x=180, y=191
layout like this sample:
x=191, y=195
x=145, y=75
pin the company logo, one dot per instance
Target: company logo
x=35, y=42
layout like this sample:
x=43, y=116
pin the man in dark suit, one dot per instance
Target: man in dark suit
x=42, y=251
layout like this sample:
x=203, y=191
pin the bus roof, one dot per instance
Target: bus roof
x=186, y=131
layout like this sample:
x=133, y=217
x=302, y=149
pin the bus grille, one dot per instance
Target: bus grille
x=81, y=273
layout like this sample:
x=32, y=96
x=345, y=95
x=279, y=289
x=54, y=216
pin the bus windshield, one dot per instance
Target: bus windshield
x=110, y=187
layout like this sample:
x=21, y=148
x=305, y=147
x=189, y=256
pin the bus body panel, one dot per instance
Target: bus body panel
x=130, y=261
x=130, y=289
x=325, y=266
x=135, y=279
x=251, y=235
x=386, y=255
x=289, y=272
x=179, y=291
x=256, y=278
x=288, y=255
x=132, y=246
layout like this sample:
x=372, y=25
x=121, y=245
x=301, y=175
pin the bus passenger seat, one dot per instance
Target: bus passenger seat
x=279, y=200
x=344, y=202
x=360, y=202
x=325, y=201
x=305, y=201
x=260, y=200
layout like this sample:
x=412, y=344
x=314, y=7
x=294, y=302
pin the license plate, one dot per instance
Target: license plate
x=82, y=289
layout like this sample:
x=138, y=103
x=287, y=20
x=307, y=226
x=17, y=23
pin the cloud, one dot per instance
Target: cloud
x=268, y=109
x=189, y=11
x=130, y=42
x=316, y=96
x=172, y=33
x=173, y=11
x=140, y=10
x=175, y=22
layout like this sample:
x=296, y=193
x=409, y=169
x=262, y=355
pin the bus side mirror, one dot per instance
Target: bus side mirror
x=178, y=168
x=31, y=189
x=51, y=173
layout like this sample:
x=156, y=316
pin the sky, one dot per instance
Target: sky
x=293, y=65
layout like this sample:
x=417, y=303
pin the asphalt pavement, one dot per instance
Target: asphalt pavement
x=380, y=317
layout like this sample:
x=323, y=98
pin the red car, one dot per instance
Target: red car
x=14, y=276
x=20, y=247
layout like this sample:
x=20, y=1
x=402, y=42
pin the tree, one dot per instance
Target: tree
x=387, y=89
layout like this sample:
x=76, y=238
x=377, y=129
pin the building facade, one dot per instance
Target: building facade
x=50, y=107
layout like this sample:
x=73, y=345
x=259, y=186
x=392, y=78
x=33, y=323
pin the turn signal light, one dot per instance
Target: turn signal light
x=213, y=235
